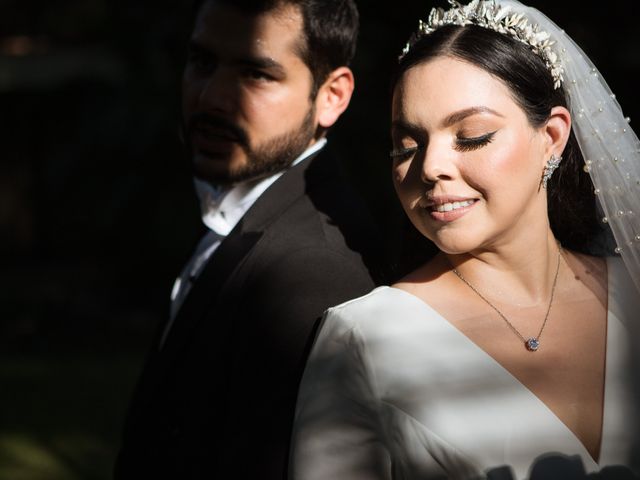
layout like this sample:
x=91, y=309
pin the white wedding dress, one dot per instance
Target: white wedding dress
x=393, y=390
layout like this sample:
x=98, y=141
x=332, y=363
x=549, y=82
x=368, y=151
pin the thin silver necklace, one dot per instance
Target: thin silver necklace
x=533, y=343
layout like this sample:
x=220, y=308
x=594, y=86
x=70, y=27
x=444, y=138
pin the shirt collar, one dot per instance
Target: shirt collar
x=223, y=207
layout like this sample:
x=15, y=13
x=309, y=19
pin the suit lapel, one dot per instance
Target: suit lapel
x=204, y=292
x=231, y=252
x=293, y=184
x=196, y=306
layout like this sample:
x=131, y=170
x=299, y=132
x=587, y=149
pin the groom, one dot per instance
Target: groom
x=286, y=239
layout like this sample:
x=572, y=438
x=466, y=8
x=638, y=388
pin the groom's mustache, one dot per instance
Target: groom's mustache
x=208, y=122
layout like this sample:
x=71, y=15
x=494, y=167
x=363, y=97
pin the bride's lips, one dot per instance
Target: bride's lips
x=447, y=208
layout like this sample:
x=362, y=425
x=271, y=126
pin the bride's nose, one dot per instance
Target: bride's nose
x=438, y=162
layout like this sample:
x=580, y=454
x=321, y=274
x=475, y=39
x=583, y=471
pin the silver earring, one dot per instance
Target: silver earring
x=551, y=166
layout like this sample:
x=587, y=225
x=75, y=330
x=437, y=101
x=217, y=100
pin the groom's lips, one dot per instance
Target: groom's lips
x=211, y=139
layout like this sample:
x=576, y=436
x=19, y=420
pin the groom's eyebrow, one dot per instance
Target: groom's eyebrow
x=259, y=62
x=460, y=115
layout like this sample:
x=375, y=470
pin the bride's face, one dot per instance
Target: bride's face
x=467, y=163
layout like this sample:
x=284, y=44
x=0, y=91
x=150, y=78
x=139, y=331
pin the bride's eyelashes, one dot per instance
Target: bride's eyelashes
x=404, y=153
x=467, y=144
x=462, y=144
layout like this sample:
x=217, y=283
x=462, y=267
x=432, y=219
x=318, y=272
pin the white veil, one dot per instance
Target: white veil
x=609, y=146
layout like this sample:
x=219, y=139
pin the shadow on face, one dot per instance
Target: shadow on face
x=247, y=107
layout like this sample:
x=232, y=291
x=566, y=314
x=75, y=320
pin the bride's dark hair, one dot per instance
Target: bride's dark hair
x=571, y=201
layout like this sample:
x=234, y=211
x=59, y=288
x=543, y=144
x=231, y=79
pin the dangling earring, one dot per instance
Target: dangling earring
x=551, y=166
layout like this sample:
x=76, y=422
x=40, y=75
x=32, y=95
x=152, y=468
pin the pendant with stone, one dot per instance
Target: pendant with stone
x=532, y=344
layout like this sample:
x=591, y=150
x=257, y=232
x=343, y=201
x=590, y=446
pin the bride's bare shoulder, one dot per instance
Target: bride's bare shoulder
x=427, y=277
x=588, y=270
x=586, y=266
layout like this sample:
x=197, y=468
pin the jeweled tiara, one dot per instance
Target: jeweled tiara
x=487, y=14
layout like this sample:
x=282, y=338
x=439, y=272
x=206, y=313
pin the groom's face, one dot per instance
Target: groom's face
x=247, y=106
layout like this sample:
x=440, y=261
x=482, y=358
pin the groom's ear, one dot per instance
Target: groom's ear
x=334, y=96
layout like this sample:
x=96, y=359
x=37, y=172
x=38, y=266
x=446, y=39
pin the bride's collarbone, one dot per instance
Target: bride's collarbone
x=566, y=373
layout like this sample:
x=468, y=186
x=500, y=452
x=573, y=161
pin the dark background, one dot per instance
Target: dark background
x=97, y=212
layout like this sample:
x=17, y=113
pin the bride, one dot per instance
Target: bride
x=511, y=347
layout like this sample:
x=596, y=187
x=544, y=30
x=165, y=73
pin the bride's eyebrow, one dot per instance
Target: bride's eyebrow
x=402, y=126
x=460, y=115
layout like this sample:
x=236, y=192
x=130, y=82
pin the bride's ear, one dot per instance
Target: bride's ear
x=556, y=131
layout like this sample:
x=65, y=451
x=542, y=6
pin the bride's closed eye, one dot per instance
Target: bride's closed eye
x=467, y=144
x=404, y=153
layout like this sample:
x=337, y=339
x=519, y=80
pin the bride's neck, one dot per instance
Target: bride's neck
x=524, y=270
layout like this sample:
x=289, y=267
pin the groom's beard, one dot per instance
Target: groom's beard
x=262, y=160
x=276, y=153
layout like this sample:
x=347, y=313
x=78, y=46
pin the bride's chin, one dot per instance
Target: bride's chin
x=456, y=241
x=453, y=247
x=454, y=251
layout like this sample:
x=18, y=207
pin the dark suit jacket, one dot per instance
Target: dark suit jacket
x=217, y=401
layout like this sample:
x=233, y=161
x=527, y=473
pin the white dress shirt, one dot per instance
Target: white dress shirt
x=222, y=208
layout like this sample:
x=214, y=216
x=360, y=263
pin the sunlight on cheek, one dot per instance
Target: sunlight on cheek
x=414, y=203
x=400, y=173
x=278, y=103
x=510, y=163
x=409, y=192
x=519, y=153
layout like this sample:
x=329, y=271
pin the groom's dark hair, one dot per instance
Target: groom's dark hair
x=330, y=29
